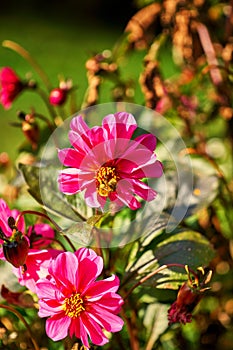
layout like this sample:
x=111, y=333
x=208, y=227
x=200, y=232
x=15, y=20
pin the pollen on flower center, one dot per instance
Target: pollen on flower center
x=74, y=306
x=106, y=180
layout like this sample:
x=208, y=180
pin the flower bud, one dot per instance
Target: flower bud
x=57, y=96
x=189, y=296
x=16, y=249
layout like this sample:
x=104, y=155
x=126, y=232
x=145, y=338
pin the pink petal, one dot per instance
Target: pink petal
x=111, y=302
x=37, y=267
x=80, y=142
x=64, y=276
x=83, y=333
x=92, y=198
x=93, y=329
x=154, y=170
x=147, y=140
x=107, y=320
x=125, y=194
x=45, y=289
x=2, y=256
x=143, y=191
x=70, y=157
x=97, y=289
x=139, y=157
x=75, y=328
x=84, y=279
x=68, y=181
x=57, y=327
x=5, y=213
x=49, y=308
x=8, y=76
x=96, y=135
x=83, y=253
x=78, y=125
x=119, y=125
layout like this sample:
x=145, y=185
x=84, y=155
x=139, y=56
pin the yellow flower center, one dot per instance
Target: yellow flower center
x=106, y=180
x=73, y=306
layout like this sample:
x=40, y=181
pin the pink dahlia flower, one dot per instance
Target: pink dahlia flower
x=106, y=162
x=75, y=302
x=11, y=86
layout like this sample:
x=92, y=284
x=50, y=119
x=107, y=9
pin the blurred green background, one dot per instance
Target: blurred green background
x=61, y=36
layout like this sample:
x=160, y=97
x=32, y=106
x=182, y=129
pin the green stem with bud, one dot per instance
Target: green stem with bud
x=28, y=57
x=155, y=272
x=57, y=227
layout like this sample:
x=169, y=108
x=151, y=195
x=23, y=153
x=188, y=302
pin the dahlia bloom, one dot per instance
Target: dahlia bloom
x=106, y=162
x=11, y=86
x=75, y=302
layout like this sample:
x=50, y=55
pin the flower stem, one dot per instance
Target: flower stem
x=131, y=330
x=43, y=96
x=34, y=212
x=21, y=318
x=57, y=227
x=28, y=57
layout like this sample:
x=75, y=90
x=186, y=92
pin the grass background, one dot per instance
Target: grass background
x=61, y=37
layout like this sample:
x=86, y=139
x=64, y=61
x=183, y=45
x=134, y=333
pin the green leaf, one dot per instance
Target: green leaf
x=43, y=186
x=80, y=232
x=185, y=247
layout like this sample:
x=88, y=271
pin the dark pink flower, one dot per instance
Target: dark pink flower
x=181, y=310
x=16, y=249
x=57, y=96
x=107, y=163
x=77, y=304
x=40, y=235
x=11, y=86
x=189, y=296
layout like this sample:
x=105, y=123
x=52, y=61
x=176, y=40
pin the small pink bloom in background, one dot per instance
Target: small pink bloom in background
x=11, y=86
x=77, y=304
x=57, y=96
x=40, y=235
x=106, y=162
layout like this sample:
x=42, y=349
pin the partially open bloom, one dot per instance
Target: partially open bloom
x=188, y=297
x=108, y=163
x=11, y=86
x=75, y=302
x=57, y=96
x=22, y=248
